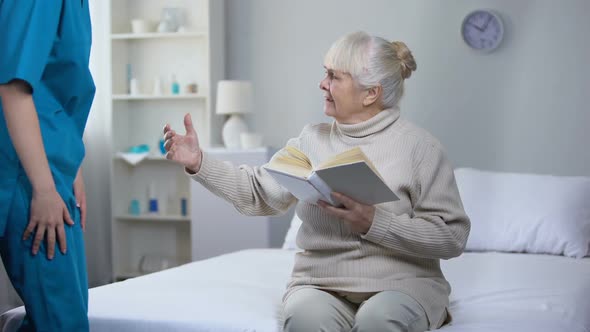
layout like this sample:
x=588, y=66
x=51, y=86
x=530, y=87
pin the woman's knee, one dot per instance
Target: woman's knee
x=390, y=311
x=315, y=310
x=310, y=317
x=374, y=322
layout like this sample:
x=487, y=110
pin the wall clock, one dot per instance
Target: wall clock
x=482, y=30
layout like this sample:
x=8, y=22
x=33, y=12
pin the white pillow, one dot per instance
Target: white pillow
x=291, y=236
x=526, y=213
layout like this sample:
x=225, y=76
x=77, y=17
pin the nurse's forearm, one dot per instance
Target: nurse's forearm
x=23, y=127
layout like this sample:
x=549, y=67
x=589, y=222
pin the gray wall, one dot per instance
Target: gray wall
x=522, y=108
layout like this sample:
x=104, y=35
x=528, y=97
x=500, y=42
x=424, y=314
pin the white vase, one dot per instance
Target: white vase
x=232, y=130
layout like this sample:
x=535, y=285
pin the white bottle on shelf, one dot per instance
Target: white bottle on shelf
x=157, y=86
x=134, y=87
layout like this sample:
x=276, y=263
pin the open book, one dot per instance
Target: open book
x=350, y=173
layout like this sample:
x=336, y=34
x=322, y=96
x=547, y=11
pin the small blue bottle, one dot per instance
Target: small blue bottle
x=152, y=199
x=153, y=205
x=183, y=207
x=134, y=208
x=175, y=86
x=162, y=148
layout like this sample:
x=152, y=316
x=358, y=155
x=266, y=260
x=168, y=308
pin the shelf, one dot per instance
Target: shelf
x=136, y=159
x=187, y=96
x=154, y=218
x=158, y=158
x=157, y=35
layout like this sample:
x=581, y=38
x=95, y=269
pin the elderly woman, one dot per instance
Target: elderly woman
x=363, y=268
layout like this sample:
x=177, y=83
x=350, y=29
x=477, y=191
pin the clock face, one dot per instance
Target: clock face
x=482, y=30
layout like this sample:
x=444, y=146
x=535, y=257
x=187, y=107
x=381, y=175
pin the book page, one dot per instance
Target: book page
x=291, y=160
x=298, y=156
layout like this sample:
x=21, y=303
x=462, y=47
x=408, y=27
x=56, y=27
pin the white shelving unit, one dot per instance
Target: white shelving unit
x=194, y=56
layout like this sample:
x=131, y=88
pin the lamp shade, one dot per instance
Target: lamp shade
x=234, y=97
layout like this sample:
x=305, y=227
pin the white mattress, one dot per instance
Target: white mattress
x=242, y=292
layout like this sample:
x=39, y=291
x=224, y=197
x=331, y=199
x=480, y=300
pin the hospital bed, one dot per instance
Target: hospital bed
x=242, y=291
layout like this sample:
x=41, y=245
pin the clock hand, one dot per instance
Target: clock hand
x=475, y=26
x=488, y=22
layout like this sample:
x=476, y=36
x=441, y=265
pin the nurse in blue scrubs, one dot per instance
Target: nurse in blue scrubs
x=46, y=90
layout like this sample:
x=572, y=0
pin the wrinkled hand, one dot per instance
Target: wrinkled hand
x=80, y=193
x=183, y=149
x=359, y=216
x=48, y=212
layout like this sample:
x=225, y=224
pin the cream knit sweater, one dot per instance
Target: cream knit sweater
x=401, y=250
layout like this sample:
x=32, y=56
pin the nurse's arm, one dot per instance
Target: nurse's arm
x=48, y=211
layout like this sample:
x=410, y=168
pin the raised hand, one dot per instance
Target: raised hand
x=183, y=149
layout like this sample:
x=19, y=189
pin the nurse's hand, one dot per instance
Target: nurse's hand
x=184, y=149
x=48, y=213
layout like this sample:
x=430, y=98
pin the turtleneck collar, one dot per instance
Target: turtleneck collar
x=374, y=125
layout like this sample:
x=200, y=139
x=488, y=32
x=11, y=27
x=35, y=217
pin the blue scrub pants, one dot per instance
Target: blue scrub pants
x=55, y=292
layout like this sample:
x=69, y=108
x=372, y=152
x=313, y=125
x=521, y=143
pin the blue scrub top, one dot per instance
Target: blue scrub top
x=47, y=44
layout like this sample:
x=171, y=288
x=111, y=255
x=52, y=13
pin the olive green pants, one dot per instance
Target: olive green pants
x=310, y=309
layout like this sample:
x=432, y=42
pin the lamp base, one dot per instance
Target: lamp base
x=232, y=129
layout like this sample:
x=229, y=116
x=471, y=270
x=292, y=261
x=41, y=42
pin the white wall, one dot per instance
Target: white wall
x=522, y=108
x=97, y=138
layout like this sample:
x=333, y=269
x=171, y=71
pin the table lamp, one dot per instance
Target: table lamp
x=234, y=98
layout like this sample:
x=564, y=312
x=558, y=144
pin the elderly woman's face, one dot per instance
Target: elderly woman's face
x=342, y=96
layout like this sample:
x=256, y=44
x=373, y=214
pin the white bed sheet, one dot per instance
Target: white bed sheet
x=242, y=292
